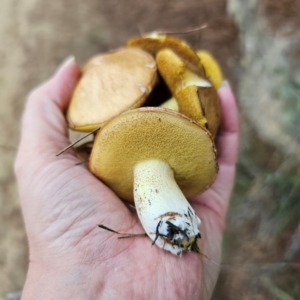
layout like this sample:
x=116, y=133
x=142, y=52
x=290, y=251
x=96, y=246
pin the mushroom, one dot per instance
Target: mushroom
x=154, y=42
x=110, y=84
x=171, y=104
x=195, y=95
x=157, y=158
x=83, y=151
x=211, y=67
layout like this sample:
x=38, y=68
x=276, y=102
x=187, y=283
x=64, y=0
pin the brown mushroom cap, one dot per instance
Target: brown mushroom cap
x=111, y=83
x=154, y=133
x=211, y=108
x=154, y=42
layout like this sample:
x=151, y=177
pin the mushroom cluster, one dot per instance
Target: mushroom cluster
x=156, y=104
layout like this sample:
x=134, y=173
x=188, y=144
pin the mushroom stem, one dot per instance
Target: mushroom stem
x=171, y=104
x=166, y=215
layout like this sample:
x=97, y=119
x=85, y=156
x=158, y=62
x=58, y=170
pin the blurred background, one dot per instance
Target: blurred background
x=257, y=43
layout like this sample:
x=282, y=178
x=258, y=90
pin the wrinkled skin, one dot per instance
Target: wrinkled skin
x=70, y=257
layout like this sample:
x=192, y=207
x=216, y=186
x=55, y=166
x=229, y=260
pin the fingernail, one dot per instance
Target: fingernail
x=225, y=84
x=70, y=59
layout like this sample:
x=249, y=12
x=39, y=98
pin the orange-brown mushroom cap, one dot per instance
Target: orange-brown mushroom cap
x=154, y=133
x=110, y=84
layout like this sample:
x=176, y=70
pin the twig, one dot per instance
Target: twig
x=65, y=149
x=82, y=162
x=123, y=235
x=186, y=31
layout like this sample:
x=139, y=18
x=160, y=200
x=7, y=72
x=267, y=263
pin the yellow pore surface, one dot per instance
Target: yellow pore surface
x=190, y=105
x=211, y=67
x=154, y=133
x=171, y=68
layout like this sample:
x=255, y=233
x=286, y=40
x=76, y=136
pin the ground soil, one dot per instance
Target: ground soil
x=282, y=14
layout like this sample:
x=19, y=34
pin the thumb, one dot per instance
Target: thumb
x=44, y=129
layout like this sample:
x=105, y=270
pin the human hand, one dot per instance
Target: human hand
x=70, y=257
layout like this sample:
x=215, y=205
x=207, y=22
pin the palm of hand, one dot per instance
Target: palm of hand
x=63, y=203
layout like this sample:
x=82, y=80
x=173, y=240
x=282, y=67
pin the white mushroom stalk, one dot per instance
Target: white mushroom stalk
x=165, y=214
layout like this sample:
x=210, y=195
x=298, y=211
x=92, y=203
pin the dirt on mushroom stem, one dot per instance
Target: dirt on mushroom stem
x=166, y=215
